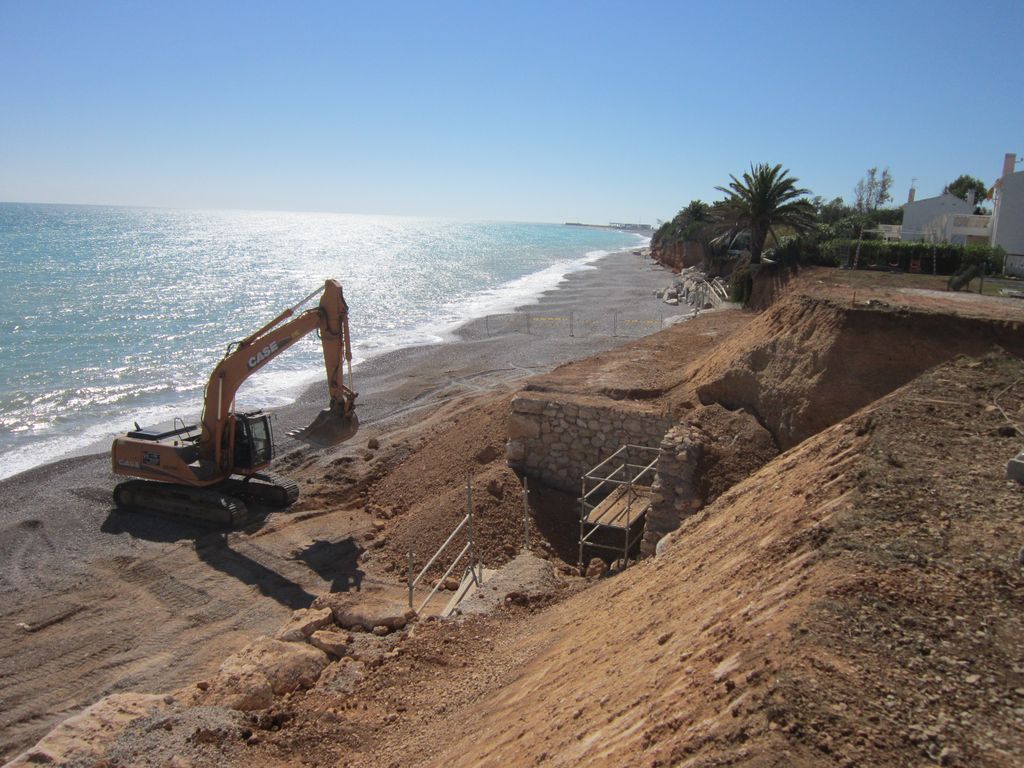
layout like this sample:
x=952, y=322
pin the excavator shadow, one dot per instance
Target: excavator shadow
x=215, y=550
x=165, y=528
x=336, y=562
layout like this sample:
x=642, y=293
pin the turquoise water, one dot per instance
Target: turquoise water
x=114, y=315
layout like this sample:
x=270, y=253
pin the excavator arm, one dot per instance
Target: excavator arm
x=246, y=357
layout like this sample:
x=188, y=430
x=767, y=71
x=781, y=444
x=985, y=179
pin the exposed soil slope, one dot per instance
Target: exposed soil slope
x=857, y=601
x=807, y=362
x=831, y=343
x=854, y=602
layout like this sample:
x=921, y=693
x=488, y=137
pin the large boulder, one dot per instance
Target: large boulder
x=303, y=623
x=244, y=690
x=366, y=611
x=331, y=641
x=263, y=669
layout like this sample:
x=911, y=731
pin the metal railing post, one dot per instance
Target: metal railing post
x=629, y=509
x=526, y=515
x=472, y=538
x=571, y=329
x=583, y=509
x=410, y=580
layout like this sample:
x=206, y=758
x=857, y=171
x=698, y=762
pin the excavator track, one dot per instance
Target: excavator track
x=265, y=489
x=204, y=505
x=223, y=505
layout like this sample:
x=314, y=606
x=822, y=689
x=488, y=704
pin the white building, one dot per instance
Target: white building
x=959, y=229
x=1008, y=215
x=919, y=215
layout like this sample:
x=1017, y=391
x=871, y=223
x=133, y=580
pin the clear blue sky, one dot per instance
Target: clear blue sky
x=545, y=111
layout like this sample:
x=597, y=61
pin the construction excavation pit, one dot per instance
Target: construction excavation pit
x=787, y=535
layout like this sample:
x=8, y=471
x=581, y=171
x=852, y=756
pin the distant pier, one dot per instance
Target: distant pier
x=642, y=228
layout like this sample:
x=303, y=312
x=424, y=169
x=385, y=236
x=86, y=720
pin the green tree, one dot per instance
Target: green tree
x=964, y=184
x=766, y=198
x=697, y=212
x=872, y=191
x=689, y=224
x=829, y=212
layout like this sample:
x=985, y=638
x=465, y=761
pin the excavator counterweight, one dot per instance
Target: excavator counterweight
x=211, y=470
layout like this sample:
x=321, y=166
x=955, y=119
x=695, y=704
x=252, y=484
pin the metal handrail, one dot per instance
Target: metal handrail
x=633, y=473
x=604, y=480
x=446, y=574
x=625, y=465
x=644, y=469
x=469, y=547
x=440, y=550
x=617, y=452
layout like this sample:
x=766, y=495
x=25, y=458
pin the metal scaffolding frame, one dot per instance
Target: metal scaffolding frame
x=618, y=499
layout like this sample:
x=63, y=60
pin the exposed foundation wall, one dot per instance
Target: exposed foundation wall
x=557, y=440
x=675, y=493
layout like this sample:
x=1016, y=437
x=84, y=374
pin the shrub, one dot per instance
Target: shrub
x=949, y=258
x=789, y=251
x=741, y=285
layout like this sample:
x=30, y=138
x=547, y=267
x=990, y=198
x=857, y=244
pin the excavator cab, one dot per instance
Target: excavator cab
x=254, y=441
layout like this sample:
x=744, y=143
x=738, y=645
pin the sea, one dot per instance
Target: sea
x=113, y=315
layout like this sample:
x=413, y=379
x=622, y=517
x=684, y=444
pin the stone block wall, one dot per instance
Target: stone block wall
x=556, y=438
x=674, y=494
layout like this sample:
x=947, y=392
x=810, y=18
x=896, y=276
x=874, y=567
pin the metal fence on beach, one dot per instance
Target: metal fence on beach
x=571, y=324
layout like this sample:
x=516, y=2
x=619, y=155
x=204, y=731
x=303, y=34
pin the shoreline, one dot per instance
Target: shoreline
x=310, y=397
x=478, y=356
x=496, y=349
x=306, y=383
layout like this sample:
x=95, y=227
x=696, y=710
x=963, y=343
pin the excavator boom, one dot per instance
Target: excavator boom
x=330, y=318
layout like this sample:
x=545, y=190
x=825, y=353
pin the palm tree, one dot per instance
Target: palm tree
x=766, y=198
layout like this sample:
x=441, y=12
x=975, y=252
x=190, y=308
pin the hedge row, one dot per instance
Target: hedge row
x=949, y=258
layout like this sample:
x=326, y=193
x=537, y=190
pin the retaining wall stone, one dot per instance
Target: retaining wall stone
x=556, y=441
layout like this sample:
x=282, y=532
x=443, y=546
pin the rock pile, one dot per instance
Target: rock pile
x=356, y=630
x=301, y=651
x=692, y=287
x=265, y=668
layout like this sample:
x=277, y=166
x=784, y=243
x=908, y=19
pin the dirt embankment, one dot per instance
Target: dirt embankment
x=853, y=602
x=678, y=256
x=831, y=344
x=808, y=362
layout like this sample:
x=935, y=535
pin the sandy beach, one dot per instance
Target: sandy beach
x=100, y=583
x=505, y=347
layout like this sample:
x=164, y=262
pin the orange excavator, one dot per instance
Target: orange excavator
x=211, y=470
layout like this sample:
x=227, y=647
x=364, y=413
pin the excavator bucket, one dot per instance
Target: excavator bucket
x=331, y=427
